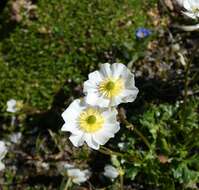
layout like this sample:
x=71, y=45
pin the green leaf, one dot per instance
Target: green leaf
x=132, y=172
x=184, y=174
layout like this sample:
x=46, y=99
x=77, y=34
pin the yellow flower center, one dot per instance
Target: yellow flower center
x=19, y=105
x=111, y=87
x=91, y=120
x=195, y=10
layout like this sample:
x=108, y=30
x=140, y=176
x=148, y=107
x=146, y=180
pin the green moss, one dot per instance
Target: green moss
x=64, y=42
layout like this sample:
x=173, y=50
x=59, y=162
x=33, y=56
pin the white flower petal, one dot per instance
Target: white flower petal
x=77, y=140
x=71, y=127
x=110, y=115
x=91, y=142
x=15, y=137
x=94, y=99
x=195, y=2
x=68, y=166
x=90, y=86
x=190, y=14
x=190, y=28
x=11, y=106
x=73, y=111
x=121, y=145
x=74, y=172
x=116, y=101
x=71, y=115
x=103, y=136
x=130, y=95
x=187, y=4
x=3, y=150
x=110, y=172
x=118, y=69
x=2, y=166
x=105, y=70
x=129, y=80
x=95, y=77
x=78, y=176
x=113, y=128
x=79, y=180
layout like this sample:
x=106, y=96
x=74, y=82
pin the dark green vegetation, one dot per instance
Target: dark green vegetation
x=61, y=42
x=45, y=55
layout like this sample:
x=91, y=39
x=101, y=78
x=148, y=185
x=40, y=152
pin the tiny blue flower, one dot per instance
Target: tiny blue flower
x=142, y=33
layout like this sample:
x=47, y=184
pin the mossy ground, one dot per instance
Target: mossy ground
x=61, y=42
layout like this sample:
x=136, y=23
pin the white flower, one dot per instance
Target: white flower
x=13, y=120
x=189, y=28
x=91, y=124
x=3, y=152
x=68, y=166
x=63, y=166
x=121, y=145
x=45, y=165
x=11, y=106
x=110, y=172
x=78, y=176
x=15, y=137
x=192, y=8
x=110, y=86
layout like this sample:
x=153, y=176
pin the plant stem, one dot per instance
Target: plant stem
x=103, y=151
x=126, y=156
x=110, y=152
x=142, y=137
x=68, y=183
x=186, y=83
x=131, y=127
x=121, y=182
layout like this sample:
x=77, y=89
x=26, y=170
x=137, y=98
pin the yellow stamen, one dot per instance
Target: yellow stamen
x=111, y=87
x=195, y=10
x=91, y=120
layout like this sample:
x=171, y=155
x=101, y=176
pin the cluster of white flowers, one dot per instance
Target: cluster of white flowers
x=192, y=8
x=15, y=137
x=93, y=119
x=3, y=152
x=76, y=175
x=14, y=105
